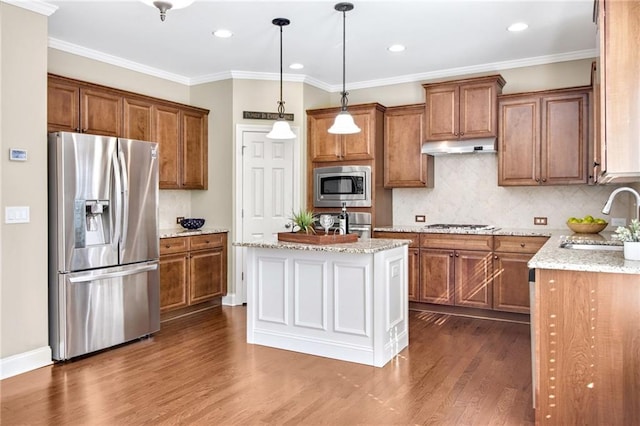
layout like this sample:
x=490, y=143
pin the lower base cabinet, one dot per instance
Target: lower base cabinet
x=476, y=271
x=192, y=270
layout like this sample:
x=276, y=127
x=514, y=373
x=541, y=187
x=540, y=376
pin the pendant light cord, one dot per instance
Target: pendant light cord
x=281, y=102
x=343, y=99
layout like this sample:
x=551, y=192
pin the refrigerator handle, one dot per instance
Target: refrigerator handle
x=116, y=274
x=125, y=195
x=118, y=197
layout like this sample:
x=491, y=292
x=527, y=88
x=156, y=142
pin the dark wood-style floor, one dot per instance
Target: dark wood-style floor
x=200, y=370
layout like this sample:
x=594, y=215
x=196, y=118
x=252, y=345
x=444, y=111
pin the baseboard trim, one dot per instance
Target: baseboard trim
x=231, y=299
x=26, y=361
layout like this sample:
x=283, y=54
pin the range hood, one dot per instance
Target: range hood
x=486, y=145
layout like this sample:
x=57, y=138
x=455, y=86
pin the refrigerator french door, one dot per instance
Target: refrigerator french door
x=103, y=242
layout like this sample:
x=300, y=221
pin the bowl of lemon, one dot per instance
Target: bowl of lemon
x=586, y=225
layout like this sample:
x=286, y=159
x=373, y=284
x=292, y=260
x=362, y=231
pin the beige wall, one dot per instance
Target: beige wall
x=23, y=247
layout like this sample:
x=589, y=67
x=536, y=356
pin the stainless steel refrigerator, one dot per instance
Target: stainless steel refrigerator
x=104, y=286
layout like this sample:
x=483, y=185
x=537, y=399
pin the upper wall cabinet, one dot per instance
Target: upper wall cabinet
x=180, y=130
x=462, y=109
x=617, y=112
x=83, y=109
x=544, y=138
x=405, y=166
x=324, y=146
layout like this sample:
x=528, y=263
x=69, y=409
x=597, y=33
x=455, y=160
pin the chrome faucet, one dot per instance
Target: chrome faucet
x=607, y=207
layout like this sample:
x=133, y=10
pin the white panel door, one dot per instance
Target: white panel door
x=268, y=186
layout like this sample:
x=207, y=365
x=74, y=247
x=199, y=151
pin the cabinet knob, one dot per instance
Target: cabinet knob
x=84, y=130
x=457, y=255
x=167, y=246
x=461, y=133
x=495, y=257
x=77, y=129
x=596, y=164
x=544, y=180
x=450, y=254
x=207, y=242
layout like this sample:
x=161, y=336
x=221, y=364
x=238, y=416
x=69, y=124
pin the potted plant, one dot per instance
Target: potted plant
x=303, y=222
x=630, y=236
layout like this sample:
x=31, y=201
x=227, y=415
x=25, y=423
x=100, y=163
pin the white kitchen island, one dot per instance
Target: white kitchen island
x=344, y=301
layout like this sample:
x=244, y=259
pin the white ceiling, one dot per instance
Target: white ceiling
x=443, y=37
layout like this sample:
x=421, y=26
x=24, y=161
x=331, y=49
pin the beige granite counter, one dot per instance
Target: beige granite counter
x=362, y=246
x=171, y=233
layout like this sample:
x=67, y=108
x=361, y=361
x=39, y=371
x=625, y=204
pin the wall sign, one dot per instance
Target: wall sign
x=259, y=115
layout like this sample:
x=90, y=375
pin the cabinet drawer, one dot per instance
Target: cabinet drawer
x=456, y=241
x=206, y=241
x=414, y=237
x=516, y=244
x=174, y=245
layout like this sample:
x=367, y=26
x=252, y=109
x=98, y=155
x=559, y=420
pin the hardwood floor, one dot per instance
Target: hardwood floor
x=200, y=370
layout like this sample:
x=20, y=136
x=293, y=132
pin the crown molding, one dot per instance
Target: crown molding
x=300, y=78
x=117, y=61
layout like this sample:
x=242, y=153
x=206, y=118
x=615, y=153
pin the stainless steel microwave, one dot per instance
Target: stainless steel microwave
x=334, y=185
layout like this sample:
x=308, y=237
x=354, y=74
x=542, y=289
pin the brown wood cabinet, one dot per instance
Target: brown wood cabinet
x=456, y=269
x=80, y=108
x=404, y=164
x=362, y=149
x=587, y=344
x=544, y=138
x=462, y=109
x=511, y=273
x=617, y=90
x=324, y=146
x=181, y=131
x=192, y=270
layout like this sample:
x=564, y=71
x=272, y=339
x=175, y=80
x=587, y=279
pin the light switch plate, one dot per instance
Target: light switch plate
x=16, y=214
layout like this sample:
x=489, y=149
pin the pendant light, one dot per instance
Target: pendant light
x=281, y=129
x=344, y=123
x=165, y=5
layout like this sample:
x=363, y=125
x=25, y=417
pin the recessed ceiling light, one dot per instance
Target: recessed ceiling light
x=222, y=33
x=396, y=48
x=296, y=66
x=518, y=26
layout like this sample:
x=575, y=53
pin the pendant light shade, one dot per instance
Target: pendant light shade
x=165, y=5
x=281, y=129
x=344, y=124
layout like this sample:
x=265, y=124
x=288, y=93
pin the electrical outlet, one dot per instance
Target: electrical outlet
x=618, y=221
x=179, y=219
x=539, y=220
x=421, y=218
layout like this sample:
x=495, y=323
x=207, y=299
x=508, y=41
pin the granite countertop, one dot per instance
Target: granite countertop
x=362, y=246
x=494, y=231
x=552, y=256
x=181, y=232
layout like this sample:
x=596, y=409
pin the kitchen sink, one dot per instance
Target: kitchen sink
x=590, y=246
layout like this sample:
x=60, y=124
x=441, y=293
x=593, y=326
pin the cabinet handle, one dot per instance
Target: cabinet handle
x=167, y=246
x=450, y=254
x=84, y=130
x=457, y=254
x=537, y=179
x=207, y=242
x=495, y=257
x=77, y=129
x=461, y=133
x=544, y=180
x=455, y=134
x=596, y=164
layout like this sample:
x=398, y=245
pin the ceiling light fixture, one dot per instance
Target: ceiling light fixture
x=396, y=48
x=296, y=66
x=518, y=26
x=281, y=129
x=165, y=5
x=344, y=123
x=221, y=33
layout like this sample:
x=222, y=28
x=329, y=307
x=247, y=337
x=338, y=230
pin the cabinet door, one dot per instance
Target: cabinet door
x=167, y=134
x=473, y=280
x=206, y=275
x=511, y=282
x=478, y=110
x=138, y=119
x=194, y=150
x=564, y=142
x=100, y=112
x=404, y=164
x=414, y=274
x=323, y=146
x=436, y=276
x=519, y=141
x=359, y=146
x=63, y=108
x=441, y=107
x=174, y=275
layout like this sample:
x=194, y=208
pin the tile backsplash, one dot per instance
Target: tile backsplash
x=466, y=191
x=172, y=204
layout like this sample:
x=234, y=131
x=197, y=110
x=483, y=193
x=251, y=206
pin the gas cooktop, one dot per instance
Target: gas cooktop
x=463, y=226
